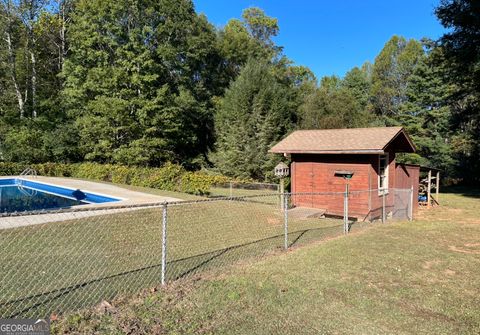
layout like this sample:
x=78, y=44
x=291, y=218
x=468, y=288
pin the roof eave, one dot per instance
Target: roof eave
x=409, y=140
x=357, y=152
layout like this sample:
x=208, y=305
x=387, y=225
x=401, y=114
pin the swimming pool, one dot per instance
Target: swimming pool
x=20, y=195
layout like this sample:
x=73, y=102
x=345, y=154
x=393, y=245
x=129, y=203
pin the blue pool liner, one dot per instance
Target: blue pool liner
x=75, y=194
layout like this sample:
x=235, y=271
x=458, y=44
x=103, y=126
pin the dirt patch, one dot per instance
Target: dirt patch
x=468, y=248
x=428, y=264
x=449, y=272
x=273, y=221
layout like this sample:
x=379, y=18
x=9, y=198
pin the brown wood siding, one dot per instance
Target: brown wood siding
x=316, y=173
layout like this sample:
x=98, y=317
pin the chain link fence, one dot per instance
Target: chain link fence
x=59, y=261
x=237, y=189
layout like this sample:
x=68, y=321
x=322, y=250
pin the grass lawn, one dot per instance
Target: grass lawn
x=154, y=191
x=420, y=277
x=76, y=263
x=238, y=192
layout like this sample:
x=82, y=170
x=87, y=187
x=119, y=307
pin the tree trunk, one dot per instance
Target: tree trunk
x=34, y=84
x=63, y=29
x=13, y=70
x=32, y=12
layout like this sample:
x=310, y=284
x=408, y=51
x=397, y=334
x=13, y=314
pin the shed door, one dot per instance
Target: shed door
x=304, y=183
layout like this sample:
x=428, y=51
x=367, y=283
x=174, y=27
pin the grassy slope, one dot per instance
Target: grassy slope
x=64, y=266
x=173, y=194
x=403, y=278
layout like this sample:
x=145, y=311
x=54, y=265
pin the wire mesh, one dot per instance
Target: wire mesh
x=237, y=189
x=77, y=262
x=58, y=261
x=402, y=204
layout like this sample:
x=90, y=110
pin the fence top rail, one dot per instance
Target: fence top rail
x=241, y=185
x=246, y=183
x=80, y=208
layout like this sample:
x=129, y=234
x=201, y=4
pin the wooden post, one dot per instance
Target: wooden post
x=429, y=188
x=437, y=187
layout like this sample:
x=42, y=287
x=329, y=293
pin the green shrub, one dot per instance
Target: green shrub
x=10, y=169
x=94, y=171
x=167, y=177
x=170, y=177
x=54, y=169
x=195, y=183
x=140, y=176
x=121, y=174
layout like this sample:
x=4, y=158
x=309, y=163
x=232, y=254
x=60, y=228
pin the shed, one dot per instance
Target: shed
x=316, y=156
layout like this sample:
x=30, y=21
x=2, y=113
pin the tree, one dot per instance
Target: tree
x=13, y=37
x=29, y=74
x=461, y=52
x=139, y=80
x=358, y=82
x=252, y=117
x=261, y=27
x=248, y=38
x=333, y=105
x=390, y=73
x=427, y=115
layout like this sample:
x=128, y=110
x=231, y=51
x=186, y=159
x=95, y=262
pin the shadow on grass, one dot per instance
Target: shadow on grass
x=91, y=292
x=473, y=192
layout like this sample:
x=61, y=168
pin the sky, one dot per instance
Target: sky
x=333, y=36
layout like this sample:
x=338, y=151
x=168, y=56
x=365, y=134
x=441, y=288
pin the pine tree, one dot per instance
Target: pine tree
x=252, y=117
x=358, y=82
x=461, y=61
x=427, y=116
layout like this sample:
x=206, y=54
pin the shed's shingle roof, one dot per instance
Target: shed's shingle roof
x=353, y=140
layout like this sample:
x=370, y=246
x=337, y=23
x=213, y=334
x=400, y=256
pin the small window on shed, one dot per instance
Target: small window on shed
x=383, y=174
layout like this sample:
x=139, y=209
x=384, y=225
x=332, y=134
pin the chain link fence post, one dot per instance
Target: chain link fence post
x=410, y=208
x=285, y=213
x=384, y=191
x=164, y=241
x=345, y=210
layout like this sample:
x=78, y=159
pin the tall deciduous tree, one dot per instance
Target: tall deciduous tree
x=390, y=73
x=13, y=38
x=334, y=105
x=250, y=37
x=139, y=80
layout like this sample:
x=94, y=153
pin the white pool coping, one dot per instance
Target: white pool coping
x=127, y=198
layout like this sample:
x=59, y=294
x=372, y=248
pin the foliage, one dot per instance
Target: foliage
x=142, y=83
x=391, y=70
x=253, y=116
x=461, y=63
x=426, y=115
x=250, y=37
x=336, y=104
x=357, y=81
x=170, y=177
x=142, y=97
